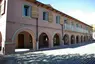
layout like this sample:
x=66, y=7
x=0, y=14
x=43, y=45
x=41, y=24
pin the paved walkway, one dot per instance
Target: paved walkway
x=73, y=55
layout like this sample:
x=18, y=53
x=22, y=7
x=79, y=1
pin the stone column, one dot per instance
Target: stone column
x=37, y=45
x=69, y=40
x=75, y=40
x=51, y=43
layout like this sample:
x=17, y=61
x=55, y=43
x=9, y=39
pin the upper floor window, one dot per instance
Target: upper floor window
x=65, y=21
x=77, y=25
x=86, y=28
x=72, y=23
x=45, y=16
x=58, y=19
x=81, y=26
x=26, y=11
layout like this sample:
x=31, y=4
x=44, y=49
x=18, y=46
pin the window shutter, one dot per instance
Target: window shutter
x=34, y=11
x=50, y=17
x=61, y=20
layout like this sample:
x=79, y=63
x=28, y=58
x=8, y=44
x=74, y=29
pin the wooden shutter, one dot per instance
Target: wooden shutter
x=61, y=20
x=34, y=11
x=50, y=17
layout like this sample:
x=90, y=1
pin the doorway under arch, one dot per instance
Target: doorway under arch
x=43, y=40
x=66, y=39
x=87, y=38
x=72, y=39
x=56, y=40
x=81, y=39
x=77, y=39
x=24, y=40
x=84, y=39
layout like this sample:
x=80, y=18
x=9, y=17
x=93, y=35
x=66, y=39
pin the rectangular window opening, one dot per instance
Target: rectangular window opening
x=58, y=19
x=45, y=16
x=26, y=10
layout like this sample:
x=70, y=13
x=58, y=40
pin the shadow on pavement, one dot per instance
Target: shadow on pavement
x=60, y=47
x=40, y=58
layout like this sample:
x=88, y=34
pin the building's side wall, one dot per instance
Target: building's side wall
x=3, y=28
x=17, y=23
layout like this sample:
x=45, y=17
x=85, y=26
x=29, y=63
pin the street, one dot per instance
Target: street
x=83, y=54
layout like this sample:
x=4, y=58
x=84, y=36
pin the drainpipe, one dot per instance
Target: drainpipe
x=37, y=42
x=62, y=30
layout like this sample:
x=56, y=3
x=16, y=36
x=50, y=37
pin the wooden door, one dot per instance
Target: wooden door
x=21, y=41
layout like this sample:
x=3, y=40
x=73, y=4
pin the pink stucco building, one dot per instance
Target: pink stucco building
x=34, y=25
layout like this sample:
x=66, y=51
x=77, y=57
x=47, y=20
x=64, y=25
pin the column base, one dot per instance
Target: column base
x=9, y=48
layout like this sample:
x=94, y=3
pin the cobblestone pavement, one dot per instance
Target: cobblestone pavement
x=78, y=55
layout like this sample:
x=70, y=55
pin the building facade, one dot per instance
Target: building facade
x=32, y=24
x=93, y=25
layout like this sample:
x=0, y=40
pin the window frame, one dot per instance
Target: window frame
x=29, y=11
x=57, y=19
x=45, y=15
x=65, y=21
x=77, y=25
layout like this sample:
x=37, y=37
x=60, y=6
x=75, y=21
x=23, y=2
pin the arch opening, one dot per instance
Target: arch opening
x=66, y=39
x=84, y=38
x=43, y=41
x=87, y=38
x=56, y=40
x=72, y=39
x=77, y=39
x=81, y=38
x=24, y=40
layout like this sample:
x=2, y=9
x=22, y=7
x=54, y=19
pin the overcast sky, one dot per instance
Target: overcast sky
x=83, y=10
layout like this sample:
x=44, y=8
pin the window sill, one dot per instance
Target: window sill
x=45, y=20
x=27, y=16
x=57, y=23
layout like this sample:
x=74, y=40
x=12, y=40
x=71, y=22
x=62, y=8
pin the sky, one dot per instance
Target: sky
x=83, y=10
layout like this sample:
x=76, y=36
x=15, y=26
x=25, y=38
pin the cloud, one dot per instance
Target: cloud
x=86, y=17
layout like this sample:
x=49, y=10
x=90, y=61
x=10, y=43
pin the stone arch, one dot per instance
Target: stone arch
x=56, y=40
x=77, y=39
x=48, y=34
x=43, y=40
x=72, y=39
x=0, y=40
x=19, y=31
x=66, y=39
